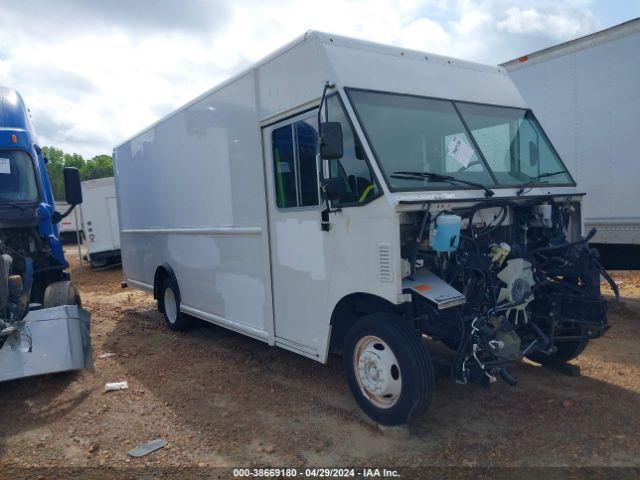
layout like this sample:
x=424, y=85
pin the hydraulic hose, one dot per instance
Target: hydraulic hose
x=507, y=377
x=565, y=245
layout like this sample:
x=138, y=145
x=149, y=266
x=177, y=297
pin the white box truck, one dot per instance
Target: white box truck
x=101, y=229
x=343, y=196
x=585, y=93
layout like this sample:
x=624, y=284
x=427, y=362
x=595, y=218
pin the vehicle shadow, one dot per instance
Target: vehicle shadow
x=231, y=386
x=35, y=402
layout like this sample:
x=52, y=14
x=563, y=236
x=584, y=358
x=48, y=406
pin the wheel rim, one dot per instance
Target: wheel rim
x=377, y=371
x=170, y=307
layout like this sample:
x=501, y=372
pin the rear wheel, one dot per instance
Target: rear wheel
x=169, y=305
x=388, y=367
x=61, y=293
x=566, y=351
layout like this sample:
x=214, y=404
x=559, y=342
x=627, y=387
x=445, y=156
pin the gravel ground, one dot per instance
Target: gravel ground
x=221, y=399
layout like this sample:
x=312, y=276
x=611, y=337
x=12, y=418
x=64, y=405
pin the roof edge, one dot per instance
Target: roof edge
x=597, y=38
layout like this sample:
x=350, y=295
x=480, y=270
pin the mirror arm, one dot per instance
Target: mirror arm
x=327, y=86
x=57, y=216
x=324, y=215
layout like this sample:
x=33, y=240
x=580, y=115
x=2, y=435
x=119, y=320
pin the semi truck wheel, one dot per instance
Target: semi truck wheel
x=566, y=351
x=170, y=298
x=61, y=293
x=388, y=367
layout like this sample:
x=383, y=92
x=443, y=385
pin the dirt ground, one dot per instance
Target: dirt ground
x=222, y=399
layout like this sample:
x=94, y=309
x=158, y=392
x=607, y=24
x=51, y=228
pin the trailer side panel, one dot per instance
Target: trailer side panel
x=585, y=96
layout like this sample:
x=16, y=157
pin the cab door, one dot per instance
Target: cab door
x=298, y=267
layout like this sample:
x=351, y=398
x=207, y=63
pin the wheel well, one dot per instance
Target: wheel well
x=162, y=273
x=351, y=308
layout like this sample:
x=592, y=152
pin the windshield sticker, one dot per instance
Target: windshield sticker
x=460, y=151
x=5, y=166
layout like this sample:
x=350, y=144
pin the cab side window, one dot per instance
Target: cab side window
x=352, y=167
x=294, y=164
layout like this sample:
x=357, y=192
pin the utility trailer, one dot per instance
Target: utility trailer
x=349, y=197
x=585, y=93
x=100, y=213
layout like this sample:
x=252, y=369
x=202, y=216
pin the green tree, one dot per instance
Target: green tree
x=55, y=165
x=99, y=166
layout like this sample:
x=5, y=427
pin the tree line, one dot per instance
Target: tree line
x=99, y=166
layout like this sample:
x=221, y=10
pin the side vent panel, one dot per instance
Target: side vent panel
x=385, y=263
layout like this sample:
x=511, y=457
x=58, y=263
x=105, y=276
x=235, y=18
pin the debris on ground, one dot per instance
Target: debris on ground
x=113, y=386
x=106, y=355
x=147, y=448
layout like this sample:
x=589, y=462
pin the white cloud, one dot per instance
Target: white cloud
x=555, y=24
x=95, y=75
x=424, y=34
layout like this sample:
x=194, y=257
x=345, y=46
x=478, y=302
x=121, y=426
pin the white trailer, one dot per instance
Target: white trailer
x=67, y=226
x=101, y=229
x=231, y=213
x=585, y=93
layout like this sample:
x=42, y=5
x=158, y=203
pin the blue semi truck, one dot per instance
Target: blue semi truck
x=42, y=325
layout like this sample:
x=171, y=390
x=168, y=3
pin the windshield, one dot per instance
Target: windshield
x=17, y=177
x=513, y=144
x=493, y=146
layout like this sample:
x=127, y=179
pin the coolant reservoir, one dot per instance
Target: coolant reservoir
x=445, y=233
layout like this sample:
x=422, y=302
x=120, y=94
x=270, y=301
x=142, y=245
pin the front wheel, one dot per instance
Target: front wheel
x=61, y=293
x=566, y=351
x=388, y=367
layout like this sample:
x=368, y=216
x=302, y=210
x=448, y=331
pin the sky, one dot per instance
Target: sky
x=94, y=73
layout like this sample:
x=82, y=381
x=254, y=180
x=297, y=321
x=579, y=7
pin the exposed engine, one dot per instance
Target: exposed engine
x=528, y=285
x=16, y=279
x=24, y=273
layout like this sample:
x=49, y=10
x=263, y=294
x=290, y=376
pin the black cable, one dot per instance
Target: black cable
x=425, y=219
x=489, y=228
x=611, y=283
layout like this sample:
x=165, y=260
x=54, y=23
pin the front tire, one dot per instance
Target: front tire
x=388, y=367
x=61, y=293
x=566, y=351
x=169, y=305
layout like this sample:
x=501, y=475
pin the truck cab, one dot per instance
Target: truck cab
x=33, y=264
x=474, y=223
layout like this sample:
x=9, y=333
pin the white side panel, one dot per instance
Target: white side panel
x=191, y=195
x=588, y=103
x=293, y=79
x=98, y=211
x=112, y=213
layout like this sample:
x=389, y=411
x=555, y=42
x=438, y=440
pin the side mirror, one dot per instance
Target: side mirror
x=335, y=189
x=534, y=156
x=72, y=187
x=331, y=140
